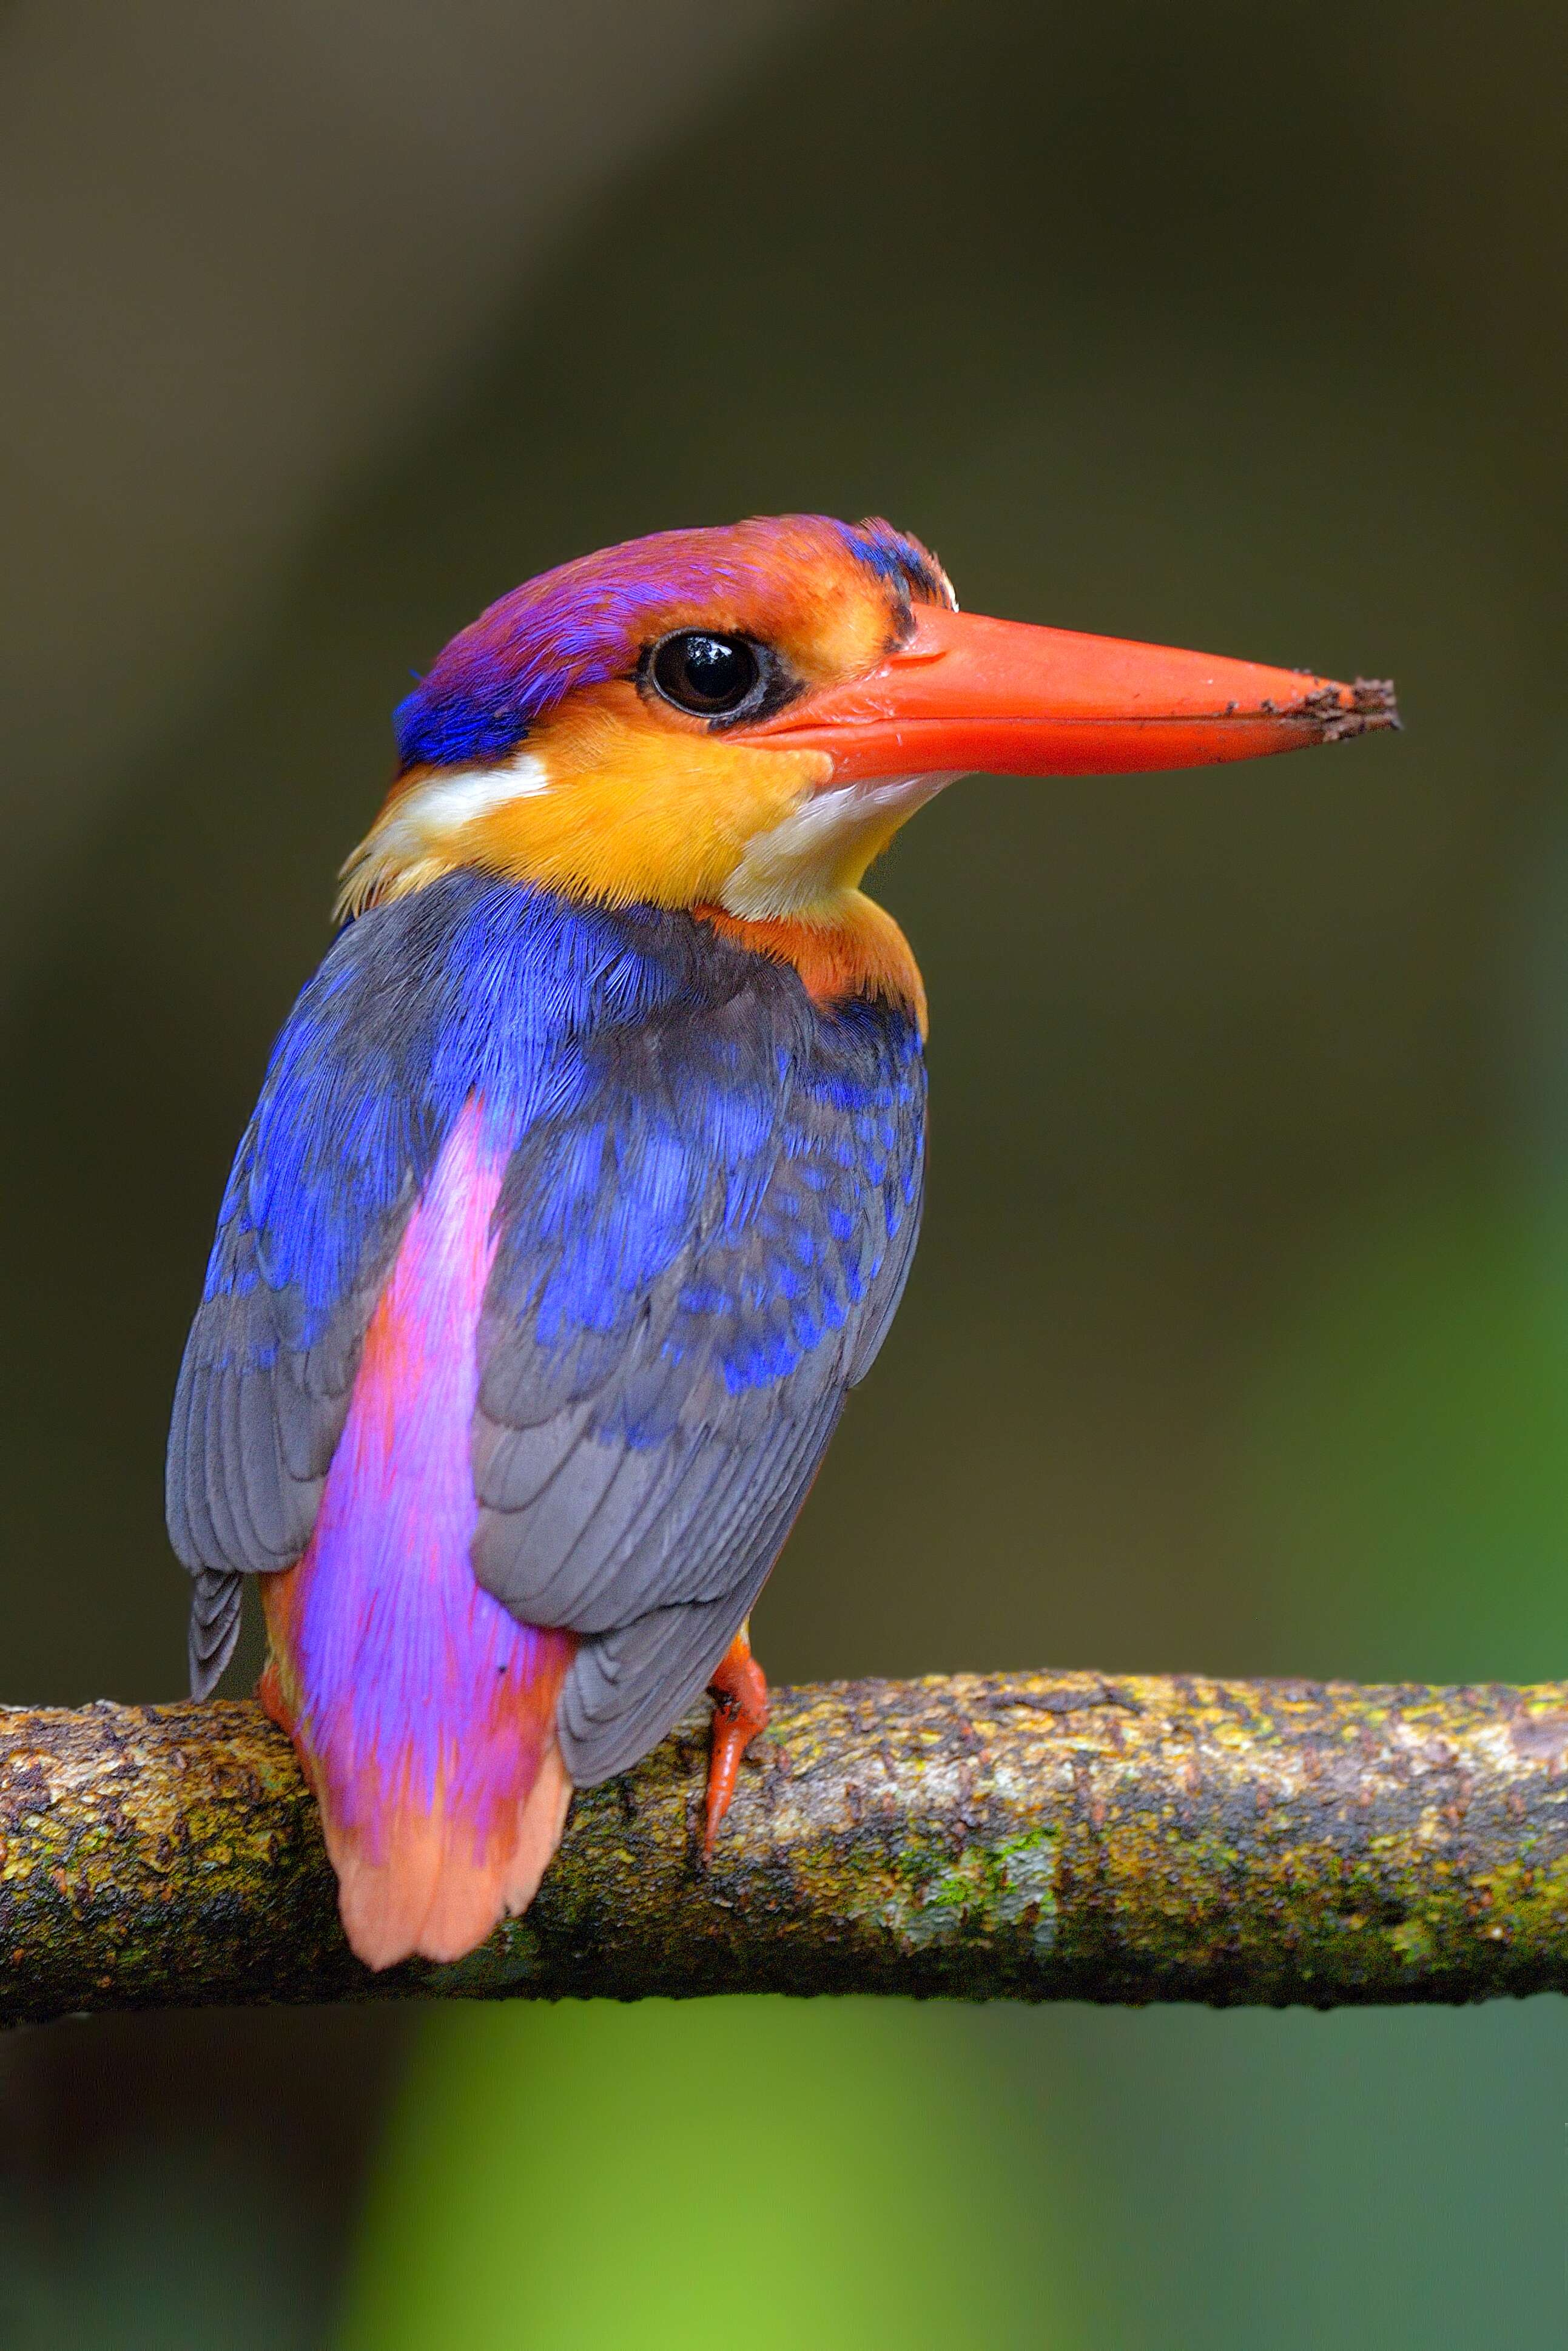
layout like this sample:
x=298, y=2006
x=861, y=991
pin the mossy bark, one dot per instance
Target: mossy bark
x=1030, y=1836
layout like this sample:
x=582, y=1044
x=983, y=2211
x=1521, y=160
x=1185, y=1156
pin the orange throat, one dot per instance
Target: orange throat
x=857, y=951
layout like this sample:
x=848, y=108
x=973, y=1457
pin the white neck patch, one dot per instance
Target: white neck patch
x=408, y=846
x=443, y=803
x=796, y=864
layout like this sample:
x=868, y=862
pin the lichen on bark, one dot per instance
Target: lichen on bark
x=1029, y=1835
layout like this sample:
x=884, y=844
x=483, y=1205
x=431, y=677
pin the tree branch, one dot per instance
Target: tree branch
x=1030, y=1836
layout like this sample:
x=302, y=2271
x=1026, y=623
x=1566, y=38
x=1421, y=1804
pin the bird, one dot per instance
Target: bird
x=587, y=1170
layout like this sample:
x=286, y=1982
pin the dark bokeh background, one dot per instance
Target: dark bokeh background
x=1239, y=1334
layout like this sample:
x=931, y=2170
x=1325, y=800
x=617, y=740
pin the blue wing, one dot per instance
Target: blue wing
x=695, y=1261
x=323, y=1185
x=466, y=988
x=701, y=1237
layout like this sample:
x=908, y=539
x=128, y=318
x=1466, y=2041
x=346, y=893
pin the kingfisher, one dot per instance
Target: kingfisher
x=587, y=1171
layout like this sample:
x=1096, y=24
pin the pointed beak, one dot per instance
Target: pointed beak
x=968, y=693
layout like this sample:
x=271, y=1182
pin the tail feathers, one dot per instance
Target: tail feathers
x=427, y=1864
x=427, y=1894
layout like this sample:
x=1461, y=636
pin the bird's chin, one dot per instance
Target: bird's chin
x=824, y=845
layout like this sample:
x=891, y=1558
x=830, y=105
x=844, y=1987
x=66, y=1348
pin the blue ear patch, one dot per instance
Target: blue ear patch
x=898, y=560
x=454, y=730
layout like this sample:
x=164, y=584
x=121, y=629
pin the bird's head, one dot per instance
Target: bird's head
x=741, y=718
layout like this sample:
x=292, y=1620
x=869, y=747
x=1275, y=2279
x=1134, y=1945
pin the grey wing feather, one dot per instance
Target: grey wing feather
x=890, y=1285
x=258, y=1410
x=627, y=1687
x=636, y=1478
x=215, y=1626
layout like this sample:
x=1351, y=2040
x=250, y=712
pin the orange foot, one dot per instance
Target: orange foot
x=739, y=1693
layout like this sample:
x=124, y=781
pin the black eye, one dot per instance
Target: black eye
x=707, y=674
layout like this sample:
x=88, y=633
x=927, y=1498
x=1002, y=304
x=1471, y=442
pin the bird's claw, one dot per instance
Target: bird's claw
x=739, y=1693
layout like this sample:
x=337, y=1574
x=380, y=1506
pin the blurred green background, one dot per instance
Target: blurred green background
x=1239, y=1334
